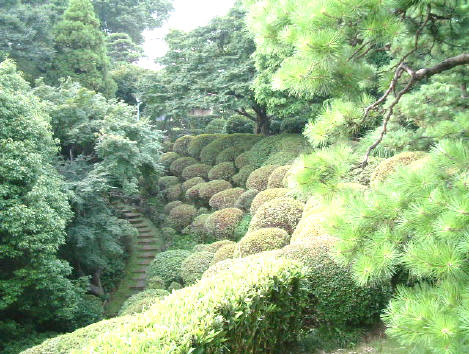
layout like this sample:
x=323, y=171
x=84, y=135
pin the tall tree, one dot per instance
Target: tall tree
x=81, y=50
x=121, y=49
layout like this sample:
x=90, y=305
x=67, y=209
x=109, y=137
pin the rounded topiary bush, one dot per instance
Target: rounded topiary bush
x=174, y=286
x=155, y=283
x=229, y=154
x=177, y=166
x=167, y=146
x=168, y=158
x=197, y=227
x=167, y=181
x=242, y=160
x=181, y=216
x=261, y=240
x=142, y=301
x=284, y=213
x=191, y=183
x=222, y=223
x=276, y=178
x=245, y=200
x=168, y=233
x=194, y=266
x=224, y=252
x=224, y=170
x=241, y=177
x=265, y=196
x=281, y=158
x=389, y=166
x=215, y=126
x=242, y=141
x=192, y=193
x=173, y=192
x=336, y=297
x=199, y=142
x=167, y=265
x=209, y=189
x=196, y=170
x=181, y=144
x=167, y=208
x=259, y=178
x=215, y=246
x=239, y=124
x=226, y=198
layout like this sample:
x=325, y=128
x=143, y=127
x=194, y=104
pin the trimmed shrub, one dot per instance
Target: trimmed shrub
x=281, y=158
x=167, y=145
x=168, y=158
x=239, y=124
x=226, y=198
x=259, y=178
x=177, y=166
x=209, y=189
x=294, y=125
x=284, y=213
x=174, y=286
x=215, y=246
x=168, y=233
x=222, y=223
x=193, y=192
x=389, y=166
x=171, y=205
x=181, y=144
x=197, y=227
x=242, y=141
x=155, y=283
x=196, y=170
x=181, y=216
x=223, y=170
x=199, y=142
x=241, y=177
x=167, y=181
x=203, y=210
x=229, y=154
x=244, y=201
x=142, y=301
x=182, y=241
x=265, y=239
x=173, y=192
x=276, y=178
x=194, y=266
x=265, y=196
x=336, y=299
x=215, y=126
x=263, y=148
x=224, y=252
x=242, y=227
x=242, y=160
x=191, y=183
x=363, y=175
x=217, y=314
x=167, y=265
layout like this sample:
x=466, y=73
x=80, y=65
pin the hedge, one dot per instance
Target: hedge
x=199, y=142
x=181, y=216
x=142, y=301
x=226, y=198
x=167, y=265
x=195, y=265
x=245, y=200
x=181, y=144
x=191, y=183
x=173, y=192
x=168, y=158
x=196, y=170
x=209, y=189
x=265, y=239
x=222, y=223
x=241, y=177
x=177, y=166
x=266, y=196
x=167, y=181
x=259, y=178
x=224, y=170
x=276, y=178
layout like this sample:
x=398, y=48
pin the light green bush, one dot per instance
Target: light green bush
x=265, y=239
x=281, y=158
x=239, y=124
x=192, y=194
x=171, y=205
x=199, y=142
x=222, y=223
x=241, y=177
x=224, y=252
x=242, y=160
x=224, y=170
x=226, y=198
x=265, y=196
x=177, y=166
x=191, y=183
x=242, y=227
x=215, y=126
x=167, y=265
x=155, y=283
x=174, y=286
x=259, y=178
x=209, y=189
x=173, y=193
x=168, y=158
x=276, y=178
x=284, y=213
x=244, y=201
x=243, y=141
x=181, y=216
x=197, y=227
x=194, y=266
x=181, y=145
x=167, y=181
x=142, y=301
x=191, y=321
x=229, y=154
x=196, y=170
x=388, y=166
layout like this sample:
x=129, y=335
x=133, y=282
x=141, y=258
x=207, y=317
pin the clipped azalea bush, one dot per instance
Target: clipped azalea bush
x=209, y=189
x=239, y=124
x=226, y=198
x=244, y=201
x=263, y=148
x=178, y=165
x=196, y=170
x=229, y=154
x=167, y=181
x=242, y=160
x=222, y=223
x=284, y=213
x=142, y=301
x=277, y=177
x=181, y=216
x=188, y=320
x=195, y=265
x=167, y=265
x=265, y=196
x=215, y=246
x=281, y=158
x=240, y=178
x=173, y=193
x=168, y=158
x=192, y=194
x=191, y=183
x=265, y=239
x=242, y=227
x=242, y=141
x=224, y=170
x=181, y=145
x=389, y=166
x=197, y=227
x=199, y=142
x=259, y=178
x=155, y=283
x=224, y=252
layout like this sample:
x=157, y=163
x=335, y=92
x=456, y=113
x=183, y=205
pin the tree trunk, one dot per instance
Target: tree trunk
x=464, y=90
x=262, y=120
x=96, y=287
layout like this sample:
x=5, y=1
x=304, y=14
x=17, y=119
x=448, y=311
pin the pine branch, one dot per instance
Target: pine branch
x=415, y=76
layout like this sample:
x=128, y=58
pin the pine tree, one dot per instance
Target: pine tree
x=81, y=49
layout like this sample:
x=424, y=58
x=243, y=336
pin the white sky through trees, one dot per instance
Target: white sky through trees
x=187, y=15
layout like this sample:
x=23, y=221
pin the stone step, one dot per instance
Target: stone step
x=132, y=215
x=142, y=236
x=142, y=276
x=143, y=231
x=140, y=271
x=139, y=286
x=148, y=248
x=136, y=222
x=146, y=255
x=146, y=241
x=145, y=261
